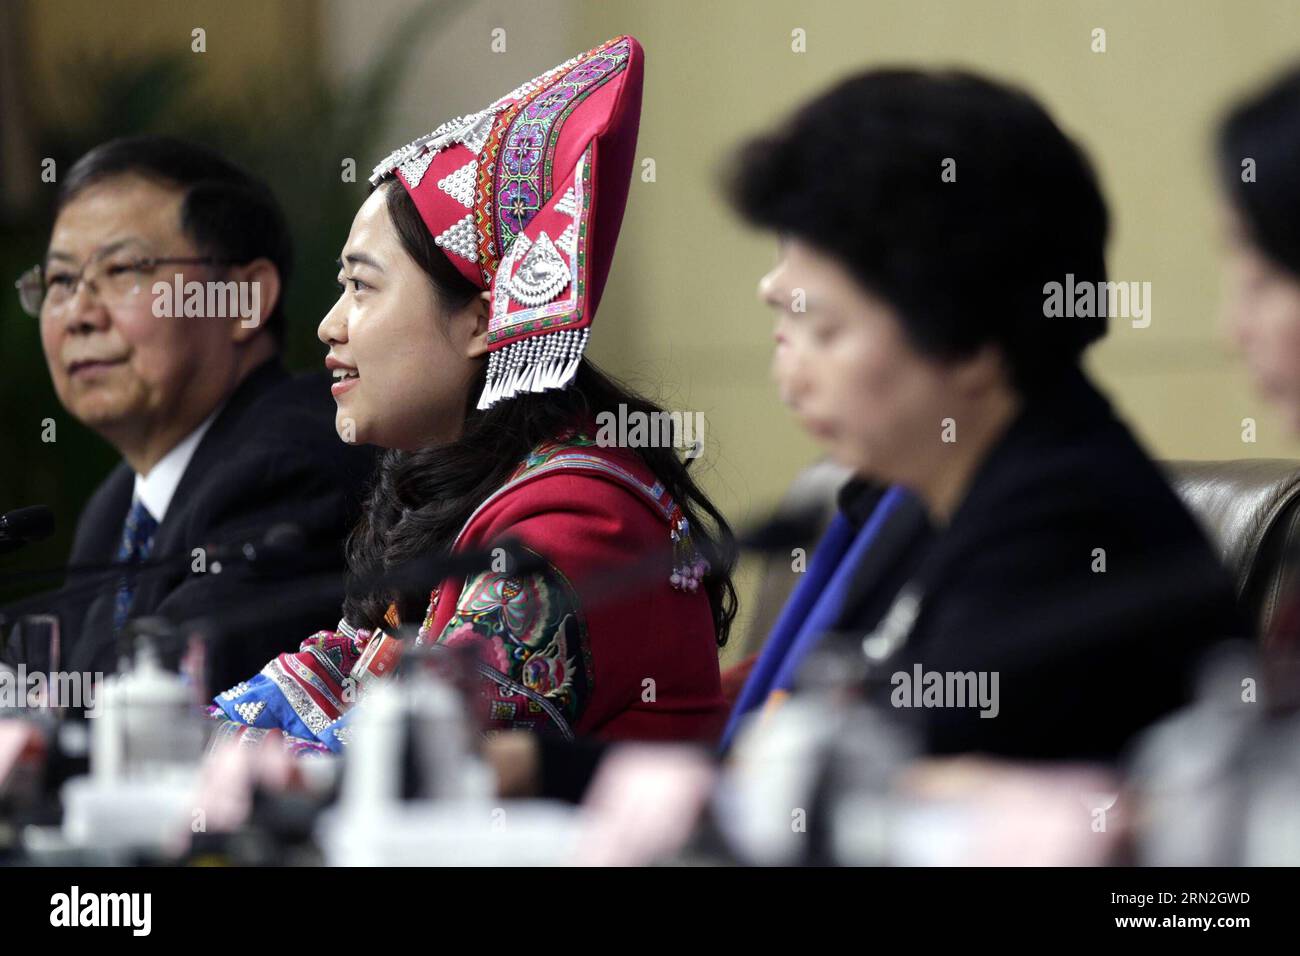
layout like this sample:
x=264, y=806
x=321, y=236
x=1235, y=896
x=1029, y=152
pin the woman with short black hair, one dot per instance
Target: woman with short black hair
x=1004, y=527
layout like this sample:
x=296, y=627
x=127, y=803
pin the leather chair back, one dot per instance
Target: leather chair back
x=1250, y=508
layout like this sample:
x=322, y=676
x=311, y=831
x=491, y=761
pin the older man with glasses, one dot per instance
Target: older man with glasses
x=160, y=303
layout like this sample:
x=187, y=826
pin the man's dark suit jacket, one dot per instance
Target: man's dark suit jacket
x=1071, y=569
x=271, y=456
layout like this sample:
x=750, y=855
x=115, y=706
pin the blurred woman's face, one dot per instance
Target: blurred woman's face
x=1262, y=313
x=403, y=365
x=845, y=368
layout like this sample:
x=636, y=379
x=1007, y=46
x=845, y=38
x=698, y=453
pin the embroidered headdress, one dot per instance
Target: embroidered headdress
x=525, y=198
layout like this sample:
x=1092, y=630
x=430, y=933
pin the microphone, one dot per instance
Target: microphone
x=24, y=526
x=789, y=528
x=281, y=543
x=226, y=655
x=416, y=575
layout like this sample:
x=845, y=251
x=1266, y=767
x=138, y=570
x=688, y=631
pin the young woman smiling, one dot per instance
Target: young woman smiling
x=468, y=285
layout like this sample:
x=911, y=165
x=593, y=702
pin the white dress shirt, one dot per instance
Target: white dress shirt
x=157, y=488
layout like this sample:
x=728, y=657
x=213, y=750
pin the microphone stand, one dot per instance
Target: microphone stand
x=238, y=553
x=642, y=571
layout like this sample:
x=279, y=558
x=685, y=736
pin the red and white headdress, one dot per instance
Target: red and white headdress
x=525, y=198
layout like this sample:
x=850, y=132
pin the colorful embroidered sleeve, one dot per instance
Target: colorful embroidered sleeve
x=303, y=694
x=531, y=646
x=228, y=730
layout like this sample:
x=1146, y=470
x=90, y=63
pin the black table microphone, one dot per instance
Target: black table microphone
x=25, y=525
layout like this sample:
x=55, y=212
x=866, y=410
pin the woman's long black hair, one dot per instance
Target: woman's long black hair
x=420, y=500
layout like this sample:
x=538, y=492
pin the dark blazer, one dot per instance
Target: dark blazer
x=1072, y=571
x=1013, y=584
x=271, y=456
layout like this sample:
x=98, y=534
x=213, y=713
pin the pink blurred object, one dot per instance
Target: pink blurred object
x=233, y=769
x=644, y=804
x=22, y=757
x=970, y=811
x=226, y=780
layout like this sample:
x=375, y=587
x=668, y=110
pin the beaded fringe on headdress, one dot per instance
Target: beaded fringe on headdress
x=535, y=364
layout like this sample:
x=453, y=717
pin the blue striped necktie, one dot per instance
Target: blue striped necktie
x=137, y=542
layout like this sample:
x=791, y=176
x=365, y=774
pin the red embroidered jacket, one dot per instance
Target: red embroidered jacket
x=560, y=650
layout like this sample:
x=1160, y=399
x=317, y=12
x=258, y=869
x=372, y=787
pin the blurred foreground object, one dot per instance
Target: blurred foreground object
x=414, y=792
x=826, y=779
x=644, y=804
x=146, y=743
x=1219, y=781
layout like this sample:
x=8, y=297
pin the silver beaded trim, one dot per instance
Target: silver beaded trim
x=461, y=238
x=535, y=364
x=536, y=83
x=501, y=294
x=239, y=690
x=568, y=240
x=568, y=203
x=474, y=134
x=415, y=167
x=471, y=130
x=541, y=275
x=460, y=184
x=250, y=711
x=306, y=708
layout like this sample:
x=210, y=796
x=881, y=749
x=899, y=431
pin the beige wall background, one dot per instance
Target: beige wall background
x=679, y=319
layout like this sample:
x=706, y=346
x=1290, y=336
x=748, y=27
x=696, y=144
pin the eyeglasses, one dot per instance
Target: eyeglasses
x=115, y=280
